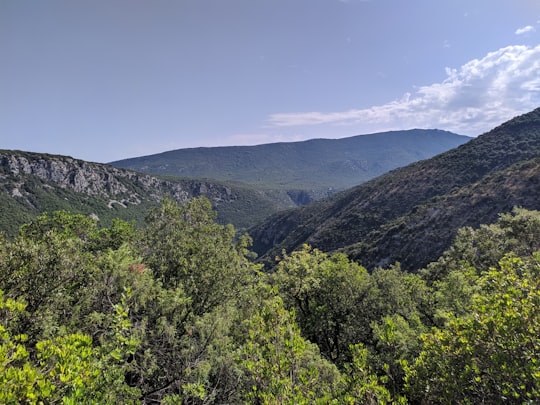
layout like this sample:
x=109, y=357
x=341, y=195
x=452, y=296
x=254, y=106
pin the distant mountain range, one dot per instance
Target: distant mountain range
x=31, y=183
x=317, y=166
x=411, y=215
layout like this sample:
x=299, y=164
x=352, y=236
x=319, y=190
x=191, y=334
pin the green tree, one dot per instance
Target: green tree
x=339, y=305
x=361, y=384
x=48, y=273
x=202, y=269
x=394, y=291
x=183, y=245
x=517, y=232
x=327, y=295
x=278, y=364
x=454, y=277
x=397, y=343
x=491, y=355
x=72, y=277
x=66, y=368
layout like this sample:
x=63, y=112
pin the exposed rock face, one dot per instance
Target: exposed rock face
x=119, y=185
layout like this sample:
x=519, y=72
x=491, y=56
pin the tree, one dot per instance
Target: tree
x=48, y=272
x=517, y=232
x=360, y=384
x=201, y=269
x=454, y=277
x=279, y=365
x=339, y=305
x=67, y=368
x=184, y=246
x=491, y=355
x=397, y=343
x=327, y=294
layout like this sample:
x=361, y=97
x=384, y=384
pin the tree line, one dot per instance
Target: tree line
x=178, y=312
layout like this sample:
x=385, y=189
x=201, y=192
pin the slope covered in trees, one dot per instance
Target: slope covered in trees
x=33, y=183
x=175, y=312
x=314, y=166
x=411, y=214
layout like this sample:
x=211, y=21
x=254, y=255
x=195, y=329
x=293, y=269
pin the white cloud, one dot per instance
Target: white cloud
x=472, y=99
x=525, y=30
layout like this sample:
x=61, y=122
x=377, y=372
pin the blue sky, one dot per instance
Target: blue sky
x=103, y=80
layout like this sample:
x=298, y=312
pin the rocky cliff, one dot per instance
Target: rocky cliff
x=31, y=183
x=95, y=179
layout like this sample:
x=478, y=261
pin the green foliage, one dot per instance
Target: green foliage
x=397, y=343
x=278, y=364
x=184, y=246
x=19, y=380
x=327, y=294
x=455, y=275
x=317, y=164
x=517, y=232
x=339, y=305
x=491, y=355
x=176, y=313
x=202, y=269
x=67, y=368
x=394, y=291
x=361, y=384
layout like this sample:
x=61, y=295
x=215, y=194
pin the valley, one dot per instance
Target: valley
x=411, y=215
x=244, y=184
x=126, y=287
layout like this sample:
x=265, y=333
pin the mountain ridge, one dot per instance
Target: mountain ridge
x=352, y=216
x=36, y=182
x=315, y=164
x=31, y=183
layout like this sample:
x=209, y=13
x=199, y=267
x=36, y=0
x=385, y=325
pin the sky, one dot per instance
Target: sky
x=103, y=80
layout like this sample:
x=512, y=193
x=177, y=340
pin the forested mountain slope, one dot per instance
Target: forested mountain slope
x=317, y=164
x=411, y=214
x=32, y=183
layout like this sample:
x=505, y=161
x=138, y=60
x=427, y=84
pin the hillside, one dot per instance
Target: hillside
x=411, y=214
x=32, y=183
x=317, y=164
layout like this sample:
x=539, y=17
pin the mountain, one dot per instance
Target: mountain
x=32, y=183
x=316, y=165
x=411, y=214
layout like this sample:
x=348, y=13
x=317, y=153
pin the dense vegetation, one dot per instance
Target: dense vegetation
x=314, y=166
x=33, y=183
x=282, y=176
x=411, y=215
x=177, y=312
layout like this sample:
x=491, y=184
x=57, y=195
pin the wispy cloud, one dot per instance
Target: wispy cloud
x=525, y=30
x=472, y=99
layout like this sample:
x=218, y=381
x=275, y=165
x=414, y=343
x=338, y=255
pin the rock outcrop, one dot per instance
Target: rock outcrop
x=93, y=179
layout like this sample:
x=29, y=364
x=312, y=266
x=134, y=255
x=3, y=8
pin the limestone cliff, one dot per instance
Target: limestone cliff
x=33, y=182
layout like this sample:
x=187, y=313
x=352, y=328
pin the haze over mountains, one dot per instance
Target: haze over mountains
x=411, y=215
x=318, y=164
